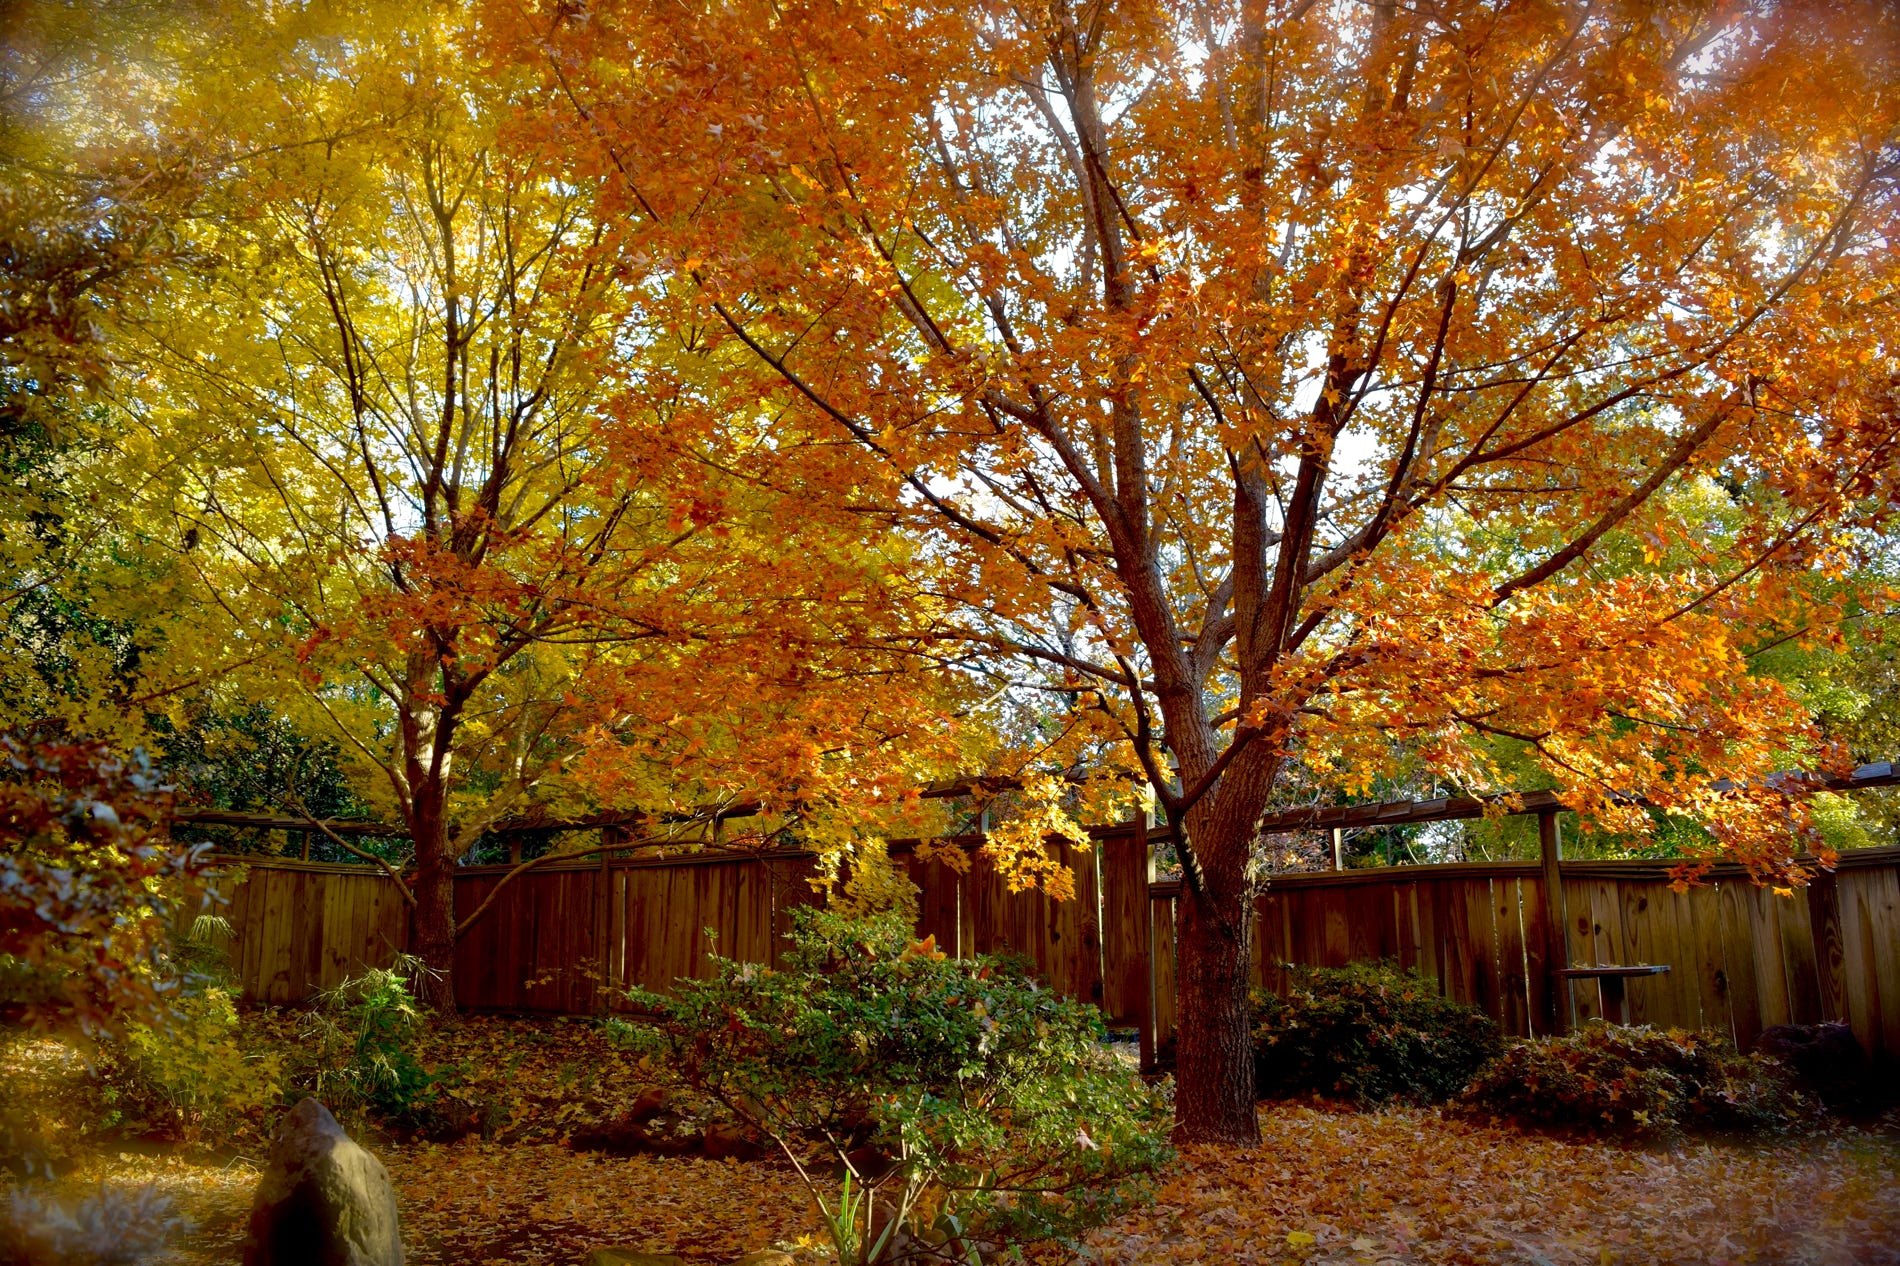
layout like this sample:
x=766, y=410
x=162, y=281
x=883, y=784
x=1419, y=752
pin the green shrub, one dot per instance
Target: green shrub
x=967, y=1107
x=185, y=1075
x=359, y=1044
x=1367, y=1032
x=1635, y=1080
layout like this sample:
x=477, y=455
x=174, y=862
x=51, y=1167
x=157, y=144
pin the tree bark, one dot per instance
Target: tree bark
x=434, y=938
x=1213, y=1075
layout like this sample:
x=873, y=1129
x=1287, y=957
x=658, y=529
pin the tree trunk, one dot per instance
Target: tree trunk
x=1213, y=1075
x=434, y=939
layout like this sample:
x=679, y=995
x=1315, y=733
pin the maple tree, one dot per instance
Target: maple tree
x=1313, y=385
x=402, y=457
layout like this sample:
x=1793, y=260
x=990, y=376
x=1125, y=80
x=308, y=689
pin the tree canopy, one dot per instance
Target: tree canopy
x=1314, y=386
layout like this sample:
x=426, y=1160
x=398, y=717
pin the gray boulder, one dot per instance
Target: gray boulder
x=323, y=1200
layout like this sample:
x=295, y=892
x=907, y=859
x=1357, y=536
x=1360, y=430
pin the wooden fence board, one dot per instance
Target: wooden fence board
x=1830, y=955
x=1880, y=930
x=1870, y=934
x=1739, y=961
x=1514, y=992
x=1797, y=956
x=1537, y=965
x=1162, y=964
x=1703, y=913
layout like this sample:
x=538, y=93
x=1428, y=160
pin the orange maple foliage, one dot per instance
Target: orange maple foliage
x=1320, y=384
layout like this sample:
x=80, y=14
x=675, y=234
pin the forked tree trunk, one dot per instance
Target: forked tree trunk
x=1213, y=1075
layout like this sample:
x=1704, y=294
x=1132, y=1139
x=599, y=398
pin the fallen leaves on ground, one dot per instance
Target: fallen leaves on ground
x=476, y=1202
x=1335, y=1186
x=1328, y=1185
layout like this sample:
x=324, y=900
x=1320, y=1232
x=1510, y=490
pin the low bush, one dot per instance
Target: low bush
x=1634, y=1080
x=359, y=1049
x=1370, y=1033
x=185, y=1075
x=964, y=1107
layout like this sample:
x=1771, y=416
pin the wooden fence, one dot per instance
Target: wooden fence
x=1741, y=957
x=571, y=937
x=568, y=938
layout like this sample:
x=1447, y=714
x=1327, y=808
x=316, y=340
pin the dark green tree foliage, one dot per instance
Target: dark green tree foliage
x=1370, y=1033
x=1638, y=1081
x=970, y=1107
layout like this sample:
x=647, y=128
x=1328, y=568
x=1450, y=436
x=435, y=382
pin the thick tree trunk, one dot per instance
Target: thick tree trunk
x=434, y=939
x=1213, y=1076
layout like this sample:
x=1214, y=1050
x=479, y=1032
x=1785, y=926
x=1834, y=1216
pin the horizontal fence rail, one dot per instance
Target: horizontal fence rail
x=572, y=937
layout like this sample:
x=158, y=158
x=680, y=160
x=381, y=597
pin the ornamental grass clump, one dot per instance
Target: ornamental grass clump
x=936, y=1108
x=1369, y=1033
x=1636, y=1081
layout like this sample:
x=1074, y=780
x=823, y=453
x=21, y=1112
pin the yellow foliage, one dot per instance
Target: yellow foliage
x=189, y=1073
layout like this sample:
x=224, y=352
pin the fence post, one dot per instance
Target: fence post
x=1556, y=933
x=604, y=926
x=1145, y=928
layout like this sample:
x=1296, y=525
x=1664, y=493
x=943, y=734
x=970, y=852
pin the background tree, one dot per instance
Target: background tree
x=406, y=460
x=1275, y=375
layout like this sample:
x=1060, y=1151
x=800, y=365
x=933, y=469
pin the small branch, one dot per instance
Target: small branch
x=296, y=802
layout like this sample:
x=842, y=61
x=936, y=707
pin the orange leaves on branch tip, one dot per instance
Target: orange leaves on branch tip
x=924, y=949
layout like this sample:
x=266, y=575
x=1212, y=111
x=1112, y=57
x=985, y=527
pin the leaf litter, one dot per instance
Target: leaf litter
x=1328, y=1185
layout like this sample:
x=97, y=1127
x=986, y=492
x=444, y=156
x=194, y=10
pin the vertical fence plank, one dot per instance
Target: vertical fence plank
x=1161, y=924
x=1514, y=993
x=1880, y=950
x=1798, y=960
x=1869, y=902
x=1739, y=961
x=1538, y=940
x=1704, y=908
x=1830, y=956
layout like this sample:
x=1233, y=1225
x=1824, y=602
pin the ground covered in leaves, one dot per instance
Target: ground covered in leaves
x=1327, y=1185
x=1403, y=1186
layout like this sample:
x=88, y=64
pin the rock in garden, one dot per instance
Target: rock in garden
x=631, y=1257
x=323, y=1200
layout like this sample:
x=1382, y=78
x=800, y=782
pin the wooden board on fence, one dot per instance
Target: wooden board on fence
x=1798, y=959
x=1537, y=964
x=1870, y=936
x=1514, y=992
x=1702, y=910
x=1124, y=872
x=1739, y=961
x=1162, y=958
